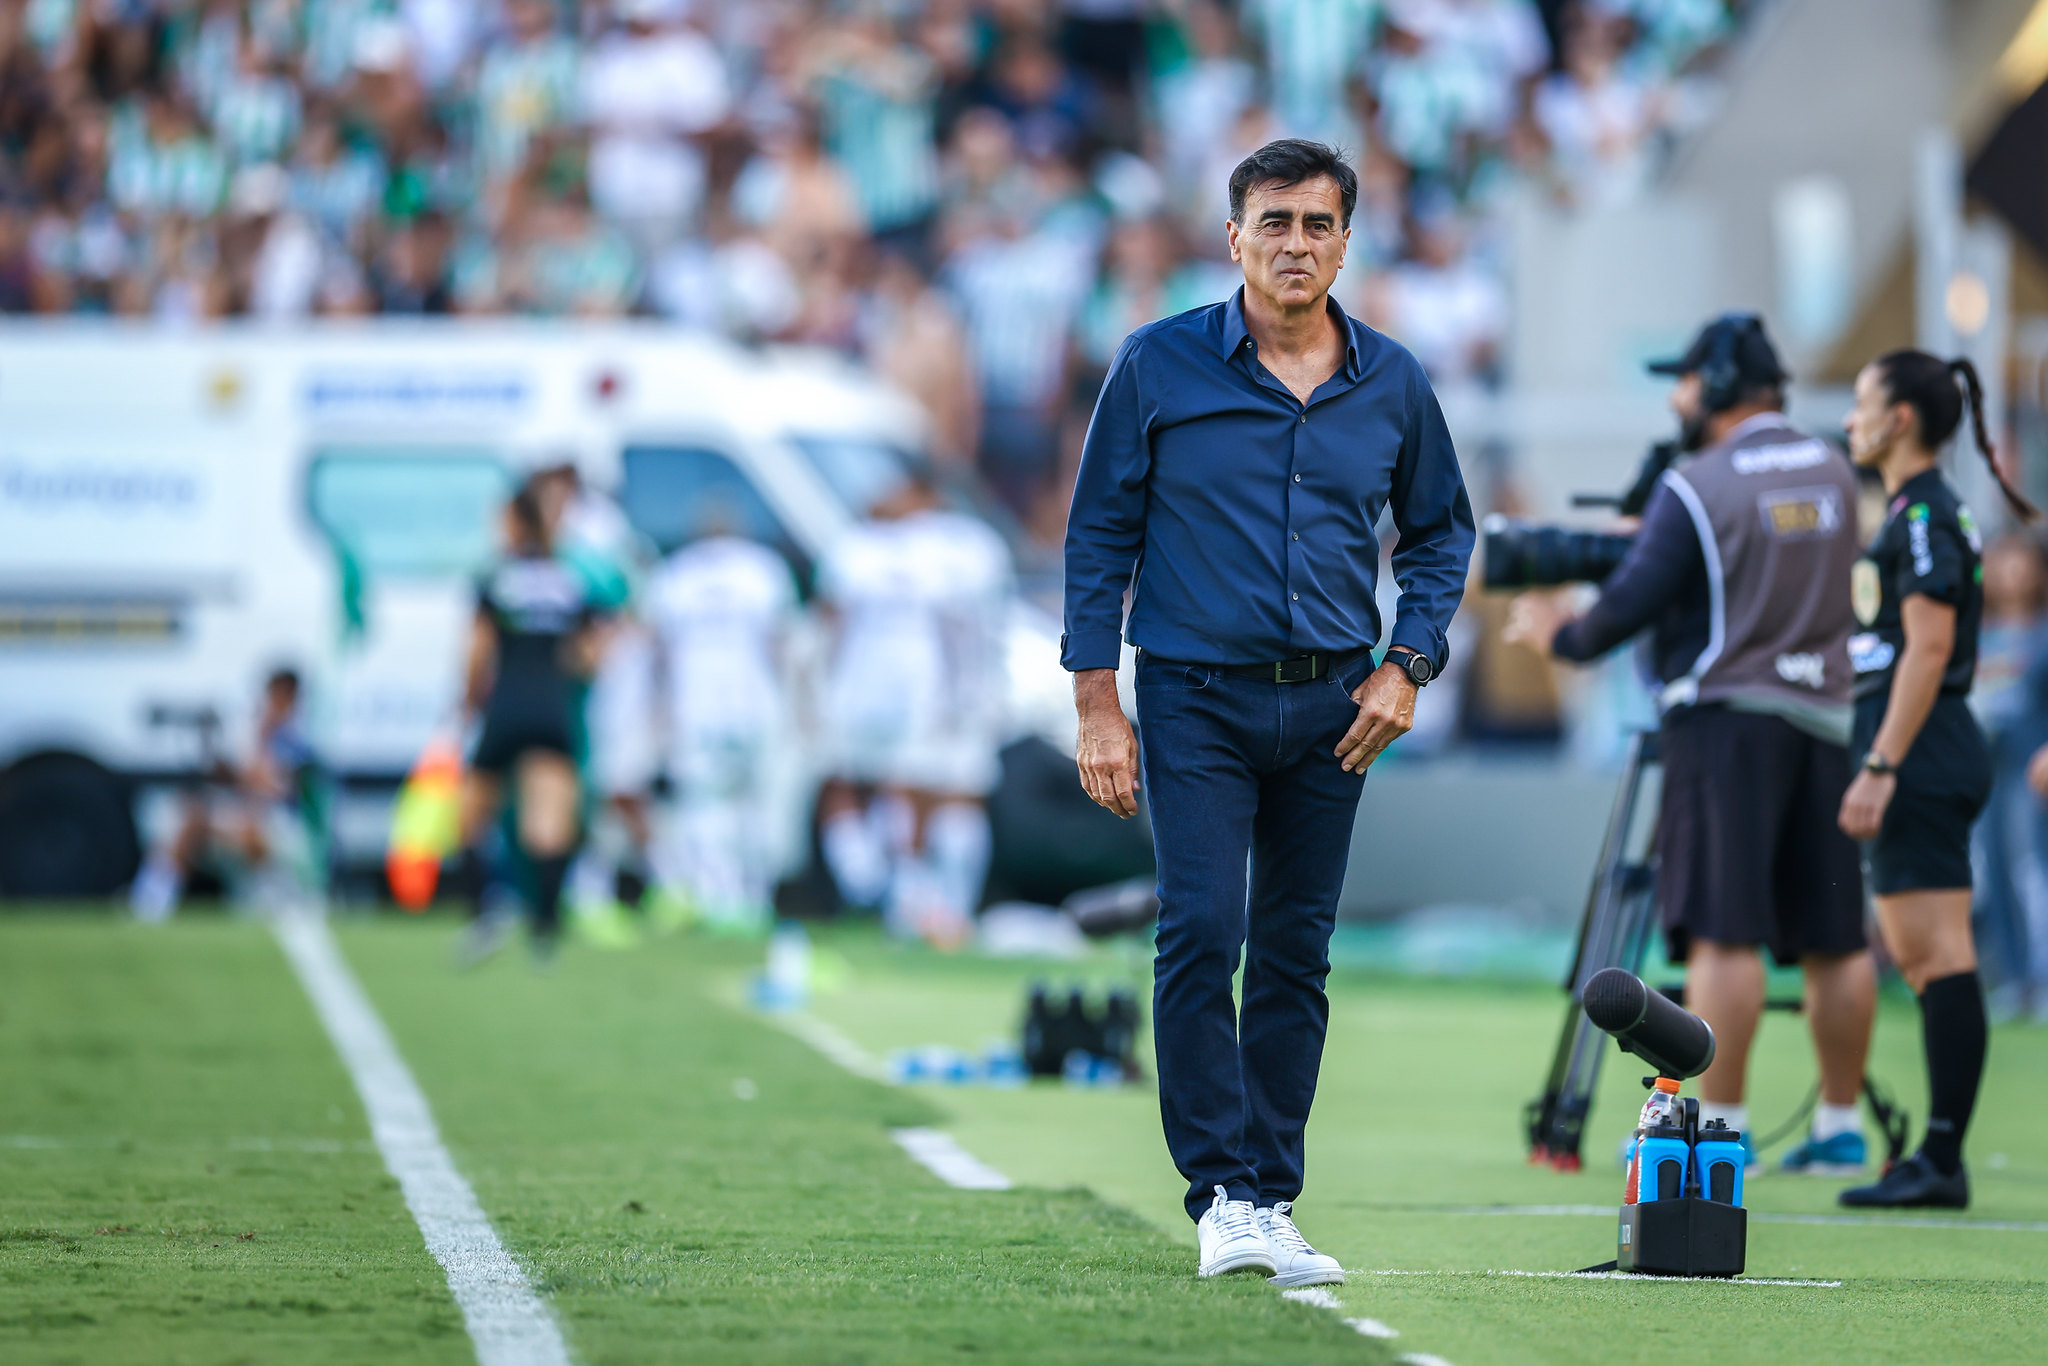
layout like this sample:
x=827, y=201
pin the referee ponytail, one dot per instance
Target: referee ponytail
x=1929, y=386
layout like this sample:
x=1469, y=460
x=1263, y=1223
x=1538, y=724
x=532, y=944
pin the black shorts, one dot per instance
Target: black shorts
x=506, y=736
x=1748, y=847
x=1944, y=782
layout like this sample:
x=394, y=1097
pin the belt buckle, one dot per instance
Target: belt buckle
x=1295, y=670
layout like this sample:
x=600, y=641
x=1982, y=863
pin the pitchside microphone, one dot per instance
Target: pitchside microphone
x=1649, y=1024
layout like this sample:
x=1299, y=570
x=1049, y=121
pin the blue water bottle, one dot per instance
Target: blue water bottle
x=1664, y=1157
x=1720, y=1161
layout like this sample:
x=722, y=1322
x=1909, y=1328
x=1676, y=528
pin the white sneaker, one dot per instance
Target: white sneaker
x=1294, y=1261
x=1232, y=1239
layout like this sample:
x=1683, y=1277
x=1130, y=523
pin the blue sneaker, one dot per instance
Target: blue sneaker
x=1842, y=1155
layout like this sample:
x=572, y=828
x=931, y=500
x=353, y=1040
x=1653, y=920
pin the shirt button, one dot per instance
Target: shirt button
x=1297, y=535
x=1297, y=479
x=1295, y=596
x=1304, y=417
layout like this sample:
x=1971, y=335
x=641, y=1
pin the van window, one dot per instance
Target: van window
x=674, y=494
x=861, y=472
x=409, y=514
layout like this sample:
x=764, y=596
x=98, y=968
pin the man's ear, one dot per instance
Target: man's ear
x=1230, y=233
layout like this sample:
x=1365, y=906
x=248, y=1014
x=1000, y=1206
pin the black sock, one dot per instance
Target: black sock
x=548, y=875
x=1952, y=1028
x=469, y=880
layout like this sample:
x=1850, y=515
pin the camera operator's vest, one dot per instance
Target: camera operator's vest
x=1775, y=510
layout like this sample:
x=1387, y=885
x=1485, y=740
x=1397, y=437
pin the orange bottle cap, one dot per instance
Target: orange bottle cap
x=1668, y=1084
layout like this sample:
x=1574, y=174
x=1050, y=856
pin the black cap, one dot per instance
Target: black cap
x=1756, y=360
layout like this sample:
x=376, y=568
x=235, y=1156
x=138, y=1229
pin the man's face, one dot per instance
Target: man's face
x=1685, y=399
x=1292, y=241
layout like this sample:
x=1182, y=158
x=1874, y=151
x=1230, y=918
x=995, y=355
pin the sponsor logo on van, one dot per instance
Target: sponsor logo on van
x=415, y=393
x=50, y=489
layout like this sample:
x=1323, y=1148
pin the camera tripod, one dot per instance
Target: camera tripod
x=1621, y=909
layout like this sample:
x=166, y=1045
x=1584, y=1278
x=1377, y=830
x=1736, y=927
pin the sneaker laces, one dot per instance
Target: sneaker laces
x=1280, y=1230
x=1234, y=1218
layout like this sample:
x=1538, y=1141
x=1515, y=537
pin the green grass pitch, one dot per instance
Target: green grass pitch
x=186, y=1175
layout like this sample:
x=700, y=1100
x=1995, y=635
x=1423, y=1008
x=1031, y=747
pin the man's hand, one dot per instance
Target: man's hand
x=1863, y=805
x=1107, y=752
x=1386, y=712
x=1534, y=620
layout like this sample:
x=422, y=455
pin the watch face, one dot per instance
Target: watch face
x=1420, y=669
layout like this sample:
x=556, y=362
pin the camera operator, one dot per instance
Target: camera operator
x=1741, y=572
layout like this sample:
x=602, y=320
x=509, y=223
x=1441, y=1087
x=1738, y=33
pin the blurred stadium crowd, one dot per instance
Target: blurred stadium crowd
x=928, y=184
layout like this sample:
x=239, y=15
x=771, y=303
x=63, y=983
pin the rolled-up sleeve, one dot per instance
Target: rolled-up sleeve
x=1106, y=525
x=1434, y=519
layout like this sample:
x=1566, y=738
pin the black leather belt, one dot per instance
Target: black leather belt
x=1300, y=669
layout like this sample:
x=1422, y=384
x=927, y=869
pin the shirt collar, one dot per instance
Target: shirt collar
x=1235, y=334
x=1756, y=422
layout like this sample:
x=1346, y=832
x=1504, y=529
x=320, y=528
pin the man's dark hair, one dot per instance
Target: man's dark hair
x=1290, y=161
x=283, y=679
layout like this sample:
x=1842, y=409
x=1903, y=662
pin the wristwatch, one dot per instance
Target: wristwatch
x=1417, y=664
x=1878, y=764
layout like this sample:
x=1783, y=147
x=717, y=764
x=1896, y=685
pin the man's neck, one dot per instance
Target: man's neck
x=1288, y=331
x=1722, y=425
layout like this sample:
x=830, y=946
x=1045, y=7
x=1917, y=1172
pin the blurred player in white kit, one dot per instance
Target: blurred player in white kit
x=913, y=709
x=722, y=607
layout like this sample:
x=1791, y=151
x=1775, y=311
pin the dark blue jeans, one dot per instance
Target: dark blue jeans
x=1242, y=777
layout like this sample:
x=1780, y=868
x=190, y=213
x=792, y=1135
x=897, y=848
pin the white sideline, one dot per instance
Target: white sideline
x=942, y=1155
x=506, y=1320
x=1628, y=1276
x=1316, y=1297
x=833, y=1044
x=1755, y=1217
x=937, y=1152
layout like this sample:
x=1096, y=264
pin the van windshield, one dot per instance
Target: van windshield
x=411, y=514
x=862, y=472
x=675, y=494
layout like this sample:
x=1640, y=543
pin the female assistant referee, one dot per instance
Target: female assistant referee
x=1926, y=768
x=533, y=634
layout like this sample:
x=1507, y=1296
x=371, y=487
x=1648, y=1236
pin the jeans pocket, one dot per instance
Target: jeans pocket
x=1180, y=677
x=1347, y=679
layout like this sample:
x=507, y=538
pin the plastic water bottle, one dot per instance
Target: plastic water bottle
x=1720, y=1158
x=1002, y=1064
x=1660, y=1111
x=785, y=984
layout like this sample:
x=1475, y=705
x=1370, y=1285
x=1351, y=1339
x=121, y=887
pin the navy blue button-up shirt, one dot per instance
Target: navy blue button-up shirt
x=1248, y=517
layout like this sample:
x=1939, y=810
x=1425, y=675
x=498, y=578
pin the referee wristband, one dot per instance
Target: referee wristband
x=1878, y=764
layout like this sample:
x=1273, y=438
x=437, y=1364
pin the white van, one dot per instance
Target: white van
x=182, y=510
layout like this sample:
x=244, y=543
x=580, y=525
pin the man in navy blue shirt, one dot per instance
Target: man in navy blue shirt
x=1237, y=464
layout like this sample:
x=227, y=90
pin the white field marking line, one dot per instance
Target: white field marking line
x=506, y=1320
x=1622, y=1276
x=834, y=1045
x=1756, y=1216
x=1316, y=1297
x=941, y=1154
